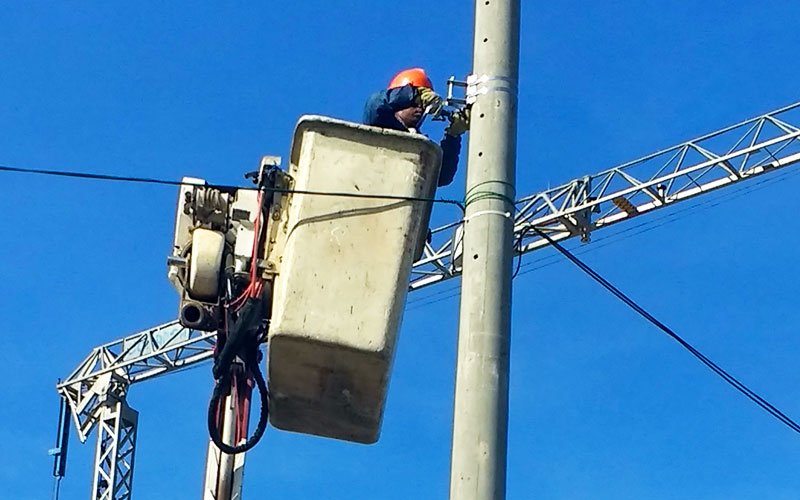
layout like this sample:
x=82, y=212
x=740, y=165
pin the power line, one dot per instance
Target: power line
x=739, y=386
x=222, y=187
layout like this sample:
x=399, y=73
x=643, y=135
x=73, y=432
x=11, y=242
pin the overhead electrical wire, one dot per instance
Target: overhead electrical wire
x=730, y=379
x=222, y=187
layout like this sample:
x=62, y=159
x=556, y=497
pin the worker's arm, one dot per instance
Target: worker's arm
x=451, y=145
x=381, y=106
x=451, y=148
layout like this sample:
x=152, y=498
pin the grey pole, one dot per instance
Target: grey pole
x=480, y=419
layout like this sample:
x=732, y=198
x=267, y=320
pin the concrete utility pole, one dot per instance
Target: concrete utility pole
x=480, y=420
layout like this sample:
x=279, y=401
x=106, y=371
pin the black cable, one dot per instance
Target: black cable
x=518, y=247
x=710, y=364
x=223, y=187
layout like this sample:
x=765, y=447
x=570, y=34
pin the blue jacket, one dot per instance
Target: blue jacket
x=379, y=112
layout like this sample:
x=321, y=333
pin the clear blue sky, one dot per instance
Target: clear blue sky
x=602, y=405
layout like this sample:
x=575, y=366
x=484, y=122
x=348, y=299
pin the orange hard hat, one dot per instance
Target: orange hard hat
x=414, y=76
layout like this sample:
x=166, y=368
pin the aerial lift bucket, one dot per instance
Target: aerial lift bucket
x=343, y=273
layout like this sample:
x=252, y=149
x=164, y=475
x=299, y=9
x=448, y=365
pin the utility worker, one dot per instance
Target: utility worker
x=403, y=106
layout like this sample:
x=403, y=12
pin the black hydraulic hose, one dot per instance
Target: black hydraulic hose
x=222, y=387
x=243, y=341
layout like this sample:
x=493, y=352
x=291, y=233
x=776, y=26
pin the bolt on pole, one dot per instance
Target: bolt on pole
x=480, y=419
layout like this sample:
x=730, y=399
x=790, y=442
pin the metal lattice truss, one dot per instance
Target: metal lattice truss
x=736, y=153
x=114, y=454
x=110, y=369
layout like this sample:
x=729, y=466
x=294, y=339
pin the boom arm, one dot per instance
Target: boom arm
x=748, y=149
x=767, y=143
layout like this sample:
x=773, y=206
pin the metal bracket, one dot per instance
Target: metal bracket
x=452, y=104
x=452, y=84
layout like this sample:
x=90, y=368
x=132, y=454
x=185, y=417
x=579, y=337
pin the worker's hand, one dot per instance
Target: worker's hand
x=459, y=123
x=429, y=100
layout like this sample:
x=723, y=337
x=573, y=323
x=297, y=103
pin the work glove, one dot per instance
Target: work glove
x=459, y=123
x=428, y=100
